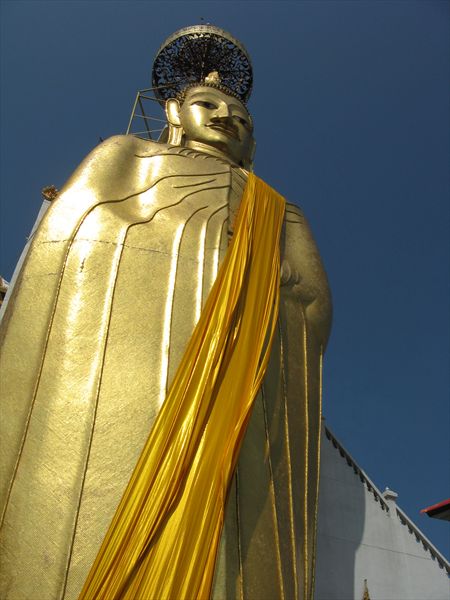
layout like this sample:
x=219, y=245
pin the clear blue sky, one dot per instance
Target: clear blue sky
x=351, y=107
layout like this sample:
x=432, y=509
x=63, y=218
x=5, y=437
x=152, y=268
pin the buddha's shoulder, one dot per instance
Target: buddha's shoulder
x=127, y=146
x=130, y=145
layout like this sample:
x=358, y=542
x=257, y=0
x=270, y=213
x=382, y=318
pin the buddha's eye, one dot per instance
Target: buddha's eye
x=242, y=121
x=204, y=104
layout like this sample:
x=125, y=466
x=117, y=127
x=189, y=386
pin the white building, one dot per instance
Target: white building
x=367, y=547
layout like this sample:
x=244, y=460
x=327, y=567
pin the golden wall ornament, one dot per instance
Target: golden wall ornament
x=49, y=193
x=366, y=595
x=125, y=263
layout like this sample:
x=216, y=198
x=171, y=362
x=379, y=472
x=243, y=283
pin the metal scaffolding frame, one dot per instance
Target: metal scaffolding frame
x=143, y=123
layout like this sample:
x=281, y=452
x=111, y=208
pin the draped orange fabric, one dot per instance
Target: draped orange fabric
x=163, y=540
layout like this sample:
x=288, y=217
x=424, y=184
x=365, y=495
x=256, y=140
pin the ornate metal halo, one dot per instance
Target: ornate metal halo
x=190, y=54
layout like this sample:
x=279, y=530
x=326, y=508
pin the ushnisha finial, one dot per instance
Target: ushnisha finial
x=213, y=78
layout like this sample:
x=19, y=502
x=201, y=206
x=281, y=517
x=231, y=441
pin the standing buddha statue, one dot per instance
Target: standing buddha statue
x=162, y=357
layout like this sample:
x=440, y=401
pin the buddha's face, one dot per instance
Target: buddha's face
x=213, y=118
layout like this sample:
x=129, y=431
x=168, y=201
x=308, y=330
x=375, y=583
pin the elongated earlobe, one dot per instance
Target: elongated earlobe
x=248, y=160
x=173, y=118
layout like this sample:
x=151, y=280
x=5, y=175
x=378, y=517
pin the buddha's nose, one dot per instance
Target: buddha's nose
x=223, y=111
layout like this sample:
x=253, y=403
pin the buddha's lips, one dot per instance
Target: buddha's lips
x=230, y=131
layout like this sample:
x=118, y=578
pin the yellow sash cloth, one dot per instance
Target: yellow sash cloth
x=162, y=543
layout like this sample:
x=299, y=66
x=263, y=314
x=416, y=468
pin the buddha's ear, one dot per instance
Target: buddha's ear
x=175, y=136
x=247, y=161
x=173, y=112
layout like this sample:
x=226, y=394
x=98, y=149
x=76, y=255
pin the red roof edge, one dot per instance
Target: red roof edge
x=441, y=510
x=437, y=507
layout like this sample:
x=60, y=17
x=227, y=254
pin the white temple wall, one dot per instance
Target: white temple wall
x=359, y=539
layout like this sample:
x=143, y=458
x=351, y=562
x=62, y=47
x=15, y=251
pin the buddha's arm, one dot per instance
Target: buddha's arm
x=302, y=270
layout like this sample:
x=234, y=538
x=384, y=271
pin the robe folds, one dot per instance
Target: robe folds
x=105, y=304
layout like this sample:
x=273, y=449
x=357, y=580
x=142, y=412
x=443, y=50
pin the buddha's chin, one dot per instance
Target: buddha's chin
x=214, y=147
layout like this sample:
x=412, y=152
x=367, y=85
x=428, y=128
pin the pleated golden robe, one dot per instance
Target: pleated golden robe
x=107, y=299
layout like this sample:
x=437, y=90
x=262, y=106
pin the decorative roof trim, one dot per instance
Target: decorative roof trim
x=365, y=479
x=404, y=519
x=420, y=537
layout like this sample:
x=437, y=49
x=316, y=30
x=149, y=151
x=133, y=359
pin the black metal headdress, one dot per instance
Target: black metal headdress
x=189, y=55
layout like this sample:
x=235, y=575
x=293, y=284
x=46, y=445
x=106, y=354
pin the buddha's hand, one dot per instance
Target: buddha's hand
x=288, y=275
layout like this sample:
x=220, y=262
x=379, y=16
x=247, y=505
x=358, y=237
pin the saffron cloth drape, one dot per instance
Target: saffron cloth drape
x=163, y=540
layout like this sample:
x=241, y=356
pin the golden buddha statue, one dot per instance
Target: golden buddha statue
x=107, y=300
